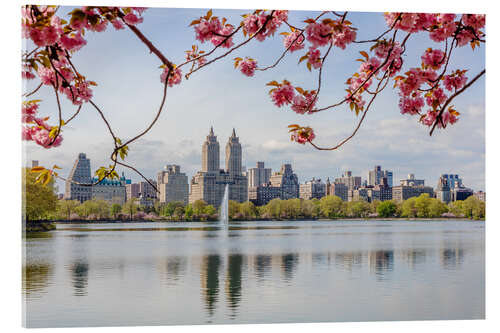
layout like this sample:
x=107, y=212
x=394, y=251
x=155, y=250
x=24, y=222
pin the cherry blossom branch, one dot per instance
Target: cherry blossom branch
x=34, y=91
x=74, y=115
x=262, y=28
x=289, y=46
x=386, y=78
x=213, y=50
x=311, y=103
x=383, y=34
x=448, y=101
x=367, y=78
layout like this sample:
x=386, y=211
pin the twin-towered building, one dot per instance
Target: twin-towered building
x=209, y=183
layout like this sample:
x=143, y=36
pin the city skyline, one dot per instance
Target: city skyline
x=221, y=97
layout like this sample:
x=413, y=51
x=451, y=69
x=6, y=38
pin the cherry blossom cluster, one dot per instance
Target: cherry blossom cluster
x=56, y=40
x=210, y=28
x=338, y=32
x=301, y=134
x=440, y=26
x=253, y=23
x=247, y=66
x=294, y=40
x=197, y=54
x=35, y=128
x=284, y=94
x=174, y=78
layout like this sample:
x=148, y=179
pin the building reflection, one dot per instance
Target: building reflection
x=80, y=277
x=289, y=263
x=233, y=281
x=348, y=260
x=262, y=264
x=414, y=257
x=381, y=262
x=452, y=258
x=211, y=265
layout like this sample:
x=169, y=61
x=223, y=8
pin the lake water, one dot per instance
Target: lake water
x=256, y=272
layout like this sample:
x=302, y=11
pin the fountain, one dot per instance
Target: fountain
x=224, y=209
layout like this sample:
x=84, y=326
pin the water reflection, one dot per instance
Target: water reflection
x=452, y=258
x=233, y=282
x=36, y=278
x=210, y=281
x=257, y=276
x=80, y=277
x=262, y=265
x=381, y=262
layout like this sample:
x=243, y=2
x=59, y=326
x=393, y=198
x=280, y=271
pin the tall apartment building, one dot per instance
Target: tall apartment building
x=338, y=189
x=287, y=181
x=376, y=175
x=80, y=173
x=173, y=185
x=259, y=175
x=443, y=191
x=209, y=183
x=352, y=182
x=314, y=188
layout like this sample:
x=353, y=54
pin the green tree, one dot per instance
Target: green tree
x=422, y=203
x=130, y=207
x=248, y=210
x=358, y=208
x=116, y=209
x=209, y=210
x=39, y=201
x=408, y=208
x=273, y=208
x=188, y=212
x=386, y=209
x=179, y=212
x=66, y=207
x=331, y=206
x=473, y=208
x=199, y=207
x=234, y=209
x=437, y=208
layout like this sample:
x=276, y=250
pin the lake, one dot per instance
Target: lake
x=120, y=274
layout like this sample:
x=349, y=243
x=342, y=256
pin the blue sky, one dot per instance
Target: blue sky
x=129, y=92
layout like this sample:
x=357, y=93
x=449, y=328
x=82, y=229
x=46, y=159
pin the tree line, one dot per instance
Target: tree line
x=40, y=203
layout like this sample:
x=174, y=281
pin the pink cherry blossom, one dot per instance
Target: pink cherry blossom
x=411, y=105
x=464, y=37
x=347, y=35
x=283, y=95
x=369, y=66
x=455, y=81
x=73, y=42
x=294, y=41
x=476, y=21
x=222, y=35
x=248, y=66
x=304, y=103
x=132, y=19
x=117, y=24
x=433, y=58
x=175, y=76
x=318, y=34
x=429, y=118
x=314, y=58
x=303, y=135
x=435, y=96
x=46, y=75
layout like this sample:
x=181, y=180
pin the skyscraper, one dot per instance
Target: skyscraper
x=210, y=159
x=259, y=175
x=80, y=174
x=233, y=155
x=173, y=185
x=209, y=183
